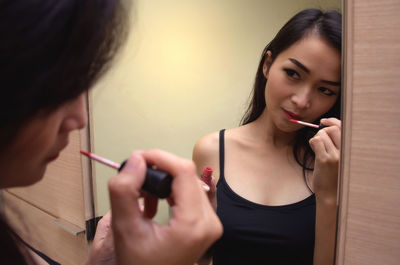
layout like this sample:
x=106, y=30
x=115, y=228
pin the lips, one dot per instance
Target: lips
x=291, y=115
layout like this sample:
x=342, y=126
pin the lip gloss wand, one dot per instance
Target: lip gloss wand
x=320, y=126
x=156, y=183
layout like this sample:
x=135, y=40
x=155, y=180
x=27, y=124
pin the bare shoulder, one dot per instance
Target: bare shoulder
x=206, y=152
x=207, y=144
x=237, y=137
x=206, y=149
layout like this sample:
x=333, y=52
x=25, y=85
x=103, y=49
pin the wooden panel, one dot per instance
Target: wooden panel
x=39, y=230
x=60, y=193
x=88, y=165
x=369, y=216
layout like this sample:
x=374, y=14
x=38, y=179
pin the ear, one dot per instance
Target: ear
x=267, y=63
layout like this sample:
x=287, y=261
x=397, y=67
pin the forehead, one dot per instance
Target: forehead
x=320, y=57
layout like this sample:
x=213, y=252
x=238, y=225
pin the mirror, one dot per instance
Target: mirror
x=186, y=70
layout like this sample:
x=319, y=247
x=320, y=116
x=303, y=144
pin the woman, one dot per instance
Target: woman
x=51, y=53
x=276, y=179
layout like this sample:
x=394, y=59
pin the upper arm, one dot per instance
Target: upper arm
x=206, y=153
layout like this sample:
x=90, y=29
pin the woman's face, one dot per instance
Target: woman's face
x=303, y=82
x=39, y=142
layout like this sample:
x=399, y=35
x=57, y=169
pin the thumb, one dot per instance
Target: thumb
x=103, y=225
x=213, y=186
x=124, y=190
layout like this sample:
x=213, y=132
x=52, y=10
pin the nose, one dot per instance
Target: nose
x=75, y=115
x=302, y=98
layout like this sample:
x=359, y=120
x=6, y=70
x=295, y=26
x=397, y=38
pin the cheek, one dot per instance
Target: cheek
x=37, y=139
x=276, y=88
x=24, y=163
x=323, y=106
x=33, y=172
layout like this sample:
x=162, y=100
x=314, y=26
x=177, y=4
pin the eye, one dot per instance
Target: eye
x=326, y=91
x=292, y=73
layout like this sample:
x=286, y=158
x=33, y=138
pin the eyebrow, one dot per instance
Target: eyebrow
x=299, y=64
x=305, y=69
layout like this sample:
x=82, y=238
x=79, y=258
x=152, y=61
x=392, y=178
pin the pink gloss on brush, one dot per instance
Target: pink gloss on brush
x=101, y=160
x=206, y=175
x=308, y=124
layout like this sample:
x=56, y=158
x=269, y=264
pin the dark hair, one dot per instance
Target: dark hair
x=328, y=25
x=51, y=51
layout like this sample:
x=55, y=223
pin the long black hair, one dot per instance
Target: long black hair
x=51, y=51
x=327, y=25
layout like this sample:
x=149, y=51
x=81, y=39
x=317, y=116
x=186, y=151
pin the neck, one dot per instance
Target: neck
x=266, y=131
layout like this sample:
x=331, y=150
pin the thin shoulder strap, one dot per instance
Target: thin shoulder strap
x=221, y=153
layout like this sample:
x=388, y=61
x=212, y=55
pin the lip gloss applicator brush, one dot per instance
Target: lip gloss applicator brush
x=156, y=183
x=320, y=126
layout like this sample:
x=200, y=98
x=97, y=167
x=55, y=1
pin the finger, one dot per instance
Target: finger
x=213, y=188
x=150, y=206
x=329, y=152
x=317, y=145
x=204, y=185
x=171, y=201
x=331, y=122
x=103, y=226
x=105, y=220
x=124, y=190
x=212, y=193
x=327, y=141
x=141, y=205
x=334, y=133
x=185, y=186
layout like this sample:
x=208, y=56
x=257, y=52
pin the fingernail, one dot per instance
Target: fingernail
x=131, y=165
x=206, y=187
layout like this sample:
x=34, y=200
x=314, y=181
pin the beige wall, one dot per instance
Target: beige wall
x=186, y=70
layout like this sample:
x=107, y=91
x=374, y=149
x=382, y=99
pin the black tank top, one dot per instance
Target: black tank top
x=259, y=234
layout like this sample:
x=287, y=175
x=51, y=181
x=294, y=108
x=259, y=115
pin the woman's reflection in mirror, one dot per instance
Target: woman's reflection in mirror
x=276, y=181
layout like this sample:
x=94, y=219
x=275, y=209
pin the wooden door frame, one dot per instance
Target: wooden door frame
x=369, y=187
